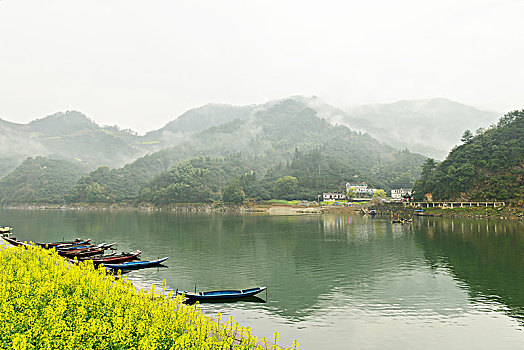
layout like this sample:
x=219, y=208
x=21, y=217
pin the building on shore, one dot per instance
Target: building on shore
x=399, y=193
x=361, y=189
x=333, y=196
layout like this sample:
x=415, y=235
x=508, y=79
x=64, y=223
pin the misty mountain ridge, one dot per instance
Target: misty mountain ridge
x=69, y=136
x=430, y=127
x=271, y=137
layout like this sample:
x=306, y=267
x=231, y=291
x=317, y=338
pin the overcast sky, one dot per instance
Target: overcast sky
x=139, y=64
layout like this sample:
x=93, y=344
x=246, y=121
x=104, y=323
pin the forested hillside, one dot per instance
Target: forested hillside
x=487, y=166
x=68, y=136
x=194, y=121
x=267, y=140
x=39, y=180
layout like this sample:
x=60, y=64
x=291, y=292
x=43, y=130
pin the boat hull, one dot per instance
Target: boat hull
x=116, y=259
x=135, y=265
x=222, y=294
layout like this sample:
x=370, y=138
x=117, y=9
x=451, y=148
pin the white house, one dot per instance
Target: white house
x=359, y=187
x=331, y=197
x=399, y=193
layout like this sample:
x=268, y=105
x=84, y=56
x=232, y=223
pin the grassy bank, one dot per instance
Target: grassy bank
x=48, y=303
x=508, y=212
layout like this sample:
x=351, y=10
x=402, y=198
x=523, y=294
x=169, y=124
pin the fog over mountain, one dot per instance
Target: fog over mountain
x=67, y=136
x=429, y=127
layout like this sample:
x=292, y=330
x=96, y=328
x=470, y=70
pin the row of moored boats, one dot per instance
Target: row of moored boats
x=81, y=250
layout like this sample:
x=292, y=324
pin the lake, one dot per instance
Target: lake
x=334, y=281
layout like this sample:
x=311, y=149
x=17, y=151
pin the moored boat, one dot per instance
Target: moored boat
x=222, y=294
x=15, y=242
x=81, y=253
x=78, y=241
x=5, y=231
x=135, y=264
x=124, y=257
x=87, y=246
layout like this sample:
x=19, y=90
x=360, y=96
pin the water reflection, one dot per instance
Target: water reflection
x=333, y=280
x=486, y=255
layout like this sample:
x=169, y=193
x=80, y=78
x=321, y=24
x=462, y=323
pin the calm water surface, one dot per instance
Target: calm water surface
x=334, y=281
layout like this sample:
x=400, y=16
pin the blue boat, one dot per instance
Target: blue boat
x=221, y=294
x=135, y=264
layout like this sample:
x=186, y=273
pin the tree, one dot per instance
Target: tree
x=285, y=186
x=467, y=136
x=233, y=193
x=480, y=131
x=379, y=194
x=428, y=166
x=351, y=193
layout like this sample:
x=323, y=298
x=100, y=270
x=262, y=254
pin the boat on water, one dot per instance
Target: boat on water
x=401, y=221
x=135, y=264
x=87, y=246
x=15, y=242
x=78, y=241
x=81, y=253
x=221, y=294
x=5, y=231
x=114, y=259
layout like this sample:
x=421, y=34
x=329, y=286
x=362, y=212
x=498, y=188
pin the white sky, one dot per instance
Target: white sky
x=140, y=64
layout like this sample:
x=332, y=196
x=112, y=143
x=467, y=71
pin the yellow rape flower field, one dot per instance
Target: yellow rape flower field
x=48, y=303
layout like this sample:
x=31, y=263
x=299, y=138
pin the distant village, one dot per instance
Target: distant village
x=362, y=192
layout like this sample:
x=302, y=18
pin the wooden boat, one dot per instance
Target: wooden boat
x=115, y=258
x=135, y=264
x=78, y=241
x=15, y=242
x=97, y=256
x=222, y=294
x=81, y=253
x=79, y=247
x=5, y=231
x=401, y=221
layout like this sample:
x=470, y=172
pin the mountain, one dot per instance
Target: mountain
x=488, y=166
x=430, y=127
x=270, y=136
x=39, y=180
x=68, y=136
x=194, y=121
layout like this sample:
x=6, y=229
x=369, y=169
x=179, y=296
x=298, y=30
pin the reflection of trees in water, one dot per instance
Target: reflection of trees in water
x=487, y=255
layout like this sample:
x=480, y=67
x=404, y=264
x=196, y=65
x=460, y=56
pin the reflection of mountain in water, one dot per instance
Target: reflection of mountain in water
x=486, y=255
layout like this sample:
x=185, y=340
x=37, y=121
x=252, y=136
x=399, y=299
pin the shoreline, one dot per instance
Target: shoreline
x=499, y=213
x=255, y=209
x=264, y=208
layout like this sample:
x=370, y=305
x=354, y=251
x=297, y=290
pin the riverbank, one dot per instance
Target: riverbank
x=403, y=211
x=263, y=208
x=48, y=303
x=269, y=208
